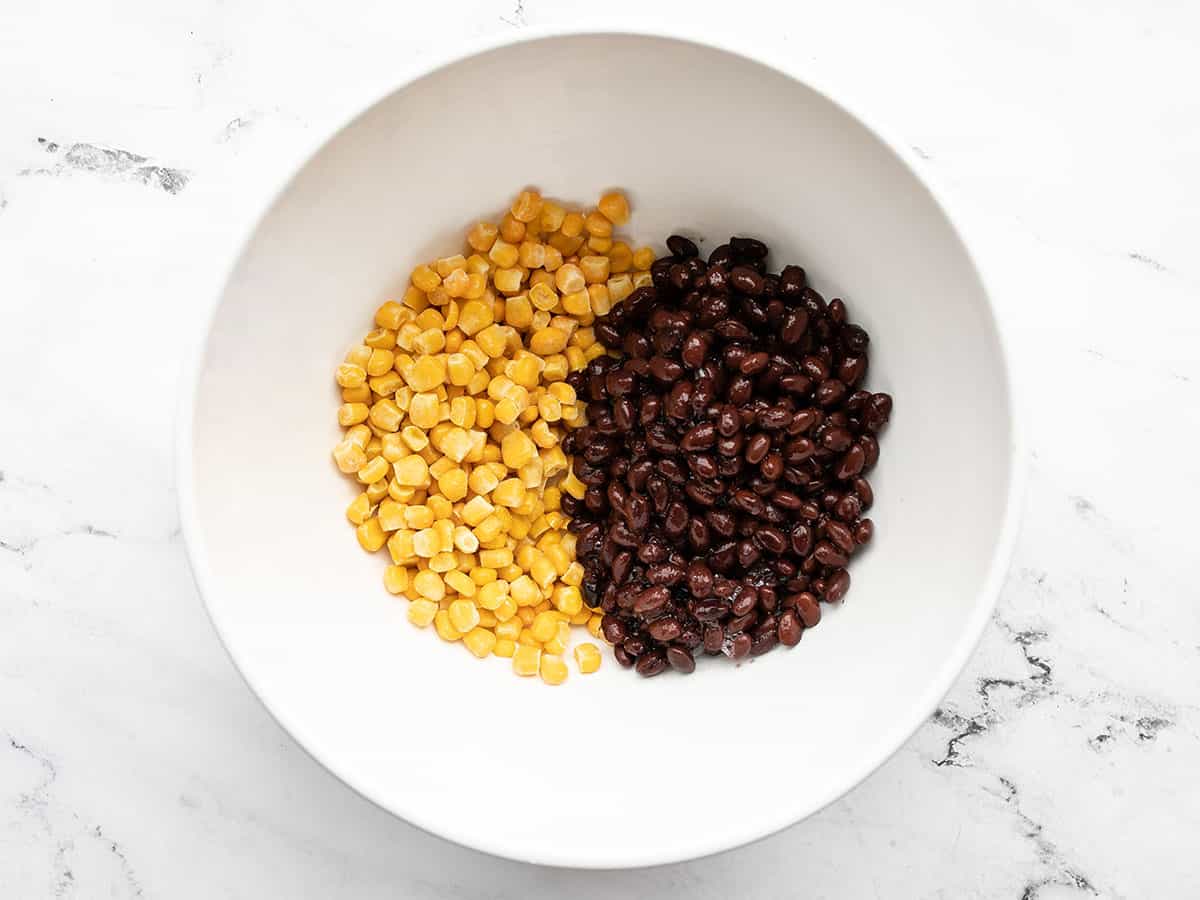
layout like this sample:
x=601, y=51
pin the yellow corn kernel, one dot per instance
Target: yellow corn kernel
x=352, y=413
x=414, y=438
x=480, y=641
x=567, y=599
x=512, y=229
x=556, y=368
x=542, y=297
x=576, y=359
x=504, y=647
x=492, y=340
x=386, y=415
x=559, y=558
x=552, y=668
x=482, y=235
x=462, y=412
x=412, y=471
x=496, y=559
x=359, y=509
x=444, y=627
x=460, y=369
x=526, y=614
x=527, y=206
x=545, y=626
x=349, y=457
x=421, y=612
x=573, y=575
x=510, y=573
x=518, y=312
x=374, y=470
x=475, y=316
x=595, y=269
x=548, y=340
x=526, y=660
x=423, y=410
x=598, y=224
x=351, y=376
x=465, y=540
x=391, y=515
x=543, y=572
x=477, y=511
x=525, y=372
x=425, y=278
x=506, y=411
x=504, y=254
x=573, y=486
x=389, y=315
x=531, y=254
x=456, y=283
x=517, y=449
x=431, y=340
x=587, y=657
x=453, y=485
x=594, y=624
x=527, y=639
x=417, y=517
x=551, y=216
x=542, y=435
x=415, y=299
x=576, y=304
x=371, y=535
x=569, y=279
x=487, y=619
x=491, y=595
x=524, y=592
x=426, y=543
x=442, y=563
x=380, y=362
x=429, y=584
x=448, y=264
x=620, y=258
x=463, y=615
x=396, y=579
x=600, y=245
x=381, y=338
x=614, y=207
x=427, y=373
x=562, y=637
x=460, y=581
x=562, y=391
x=400, y=546
x=358, y=356
x=443, y=508
x=509, y=630
x=510, y=492
x=507, y=281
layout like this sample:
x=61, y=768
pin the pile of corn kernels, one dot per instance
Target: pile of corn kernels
x=453, y=409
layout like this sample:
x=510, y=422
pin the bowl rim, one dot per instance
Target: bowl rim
x=921, y=708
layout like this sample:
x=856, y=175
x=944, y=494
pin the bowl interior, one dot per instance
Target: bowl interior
x=609, y=769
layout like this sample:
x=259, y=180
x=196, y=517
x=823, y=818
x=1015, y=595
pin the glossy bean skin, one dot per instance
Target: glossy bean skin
x=729, y=432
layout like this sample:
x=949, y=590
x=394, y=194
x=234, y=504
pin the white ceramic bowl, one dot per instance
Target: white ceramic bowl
x=609, y=770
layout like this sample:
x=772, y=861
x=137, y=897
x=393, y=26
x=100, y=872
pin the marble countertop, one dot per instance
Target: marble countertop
x=137, y=140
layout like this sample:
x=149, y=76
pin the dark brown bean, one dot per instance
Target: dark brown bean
x=651, y=663
x=836, y=586
x=652, y=600
x=757, y=448
x=698, y=437
x=682, y=247
x=840, y=535
x=807, y=609
x=681, y=660
x=736, y=646
x=864, y=531
x=746, y=280
x=829, y=555
x=790, y=629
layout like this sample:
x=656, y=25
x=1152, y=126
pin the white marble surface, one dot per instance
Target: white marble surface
x=134, y=762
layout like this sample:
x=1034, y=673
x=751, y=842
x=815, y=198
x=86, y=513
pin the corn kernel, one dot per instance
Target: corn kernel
x=496, y=559
x=492, y=595
x=595, y=269
x=442, y=562
x=373, y=470
x=349, y=457
x=587, y=657
x=504, y=254
x=569, y=279
x=547, y=341
x=371, y=535
x=352, y=413
x=505, y=648
x=444, y=627
x=359, y=509
x=460, y=581
x=482, y=235
x=421, y=612
x=463, y=615
x=429, y=584
x=567, y=599
x=552, y=668
x=526, y=660
x=396, y=579
x=545, y=626
x=524, y=592
x=479, y=641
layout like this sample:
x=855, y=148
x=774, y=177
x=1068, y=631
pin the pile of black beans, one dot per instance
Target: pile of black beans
x=725, y=455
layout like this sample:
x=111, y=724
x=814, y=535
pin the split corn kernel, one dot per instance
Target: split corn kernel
x=526, y=659
x=587, y=657
x=455, y=406
x=552, y=668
